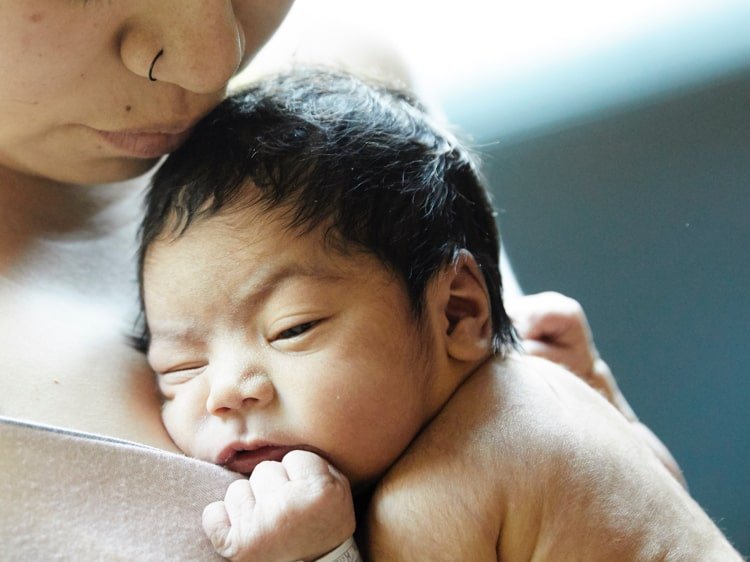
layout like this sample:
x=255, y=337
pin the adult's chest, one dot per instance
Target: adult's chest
x=65, y=361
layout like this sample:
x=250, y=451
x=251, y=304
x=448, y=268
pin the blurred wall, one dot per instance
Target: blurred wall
x=643, y=215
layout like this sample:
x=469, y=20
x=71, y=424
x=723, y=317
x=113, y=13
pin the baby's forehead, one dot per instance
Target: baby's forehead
x=226, y=260
x=249, y=229
x=252, y=227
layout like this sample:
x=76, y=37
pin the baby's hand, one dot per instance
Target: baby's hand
x=296, y=509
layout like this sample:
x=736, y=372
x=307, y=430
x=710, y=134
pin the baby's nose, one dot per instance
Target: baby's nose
x=234, y=393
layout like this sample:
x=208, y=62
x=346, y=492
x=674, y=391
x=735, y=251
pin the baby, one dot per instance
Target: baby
x=320, y=282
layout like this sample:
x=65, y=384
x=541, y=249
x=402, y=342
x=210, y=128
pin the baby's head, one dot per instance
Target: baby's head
x=319, y=268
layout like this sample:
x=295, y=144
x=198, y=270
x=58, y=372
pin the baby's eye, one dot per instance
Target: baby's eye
x=295, y=331
x=180, y=374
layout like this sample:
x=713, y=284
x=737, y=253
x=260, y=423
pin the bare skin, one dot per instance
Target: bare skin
x=504, y=458
x=66, y=287
x=554, y=327
x=521, y=467
x=73, y=72
x=67, y=301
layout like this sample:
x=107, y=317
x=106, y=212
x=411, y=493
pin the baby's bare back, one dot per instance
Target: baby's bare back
x=526, y=462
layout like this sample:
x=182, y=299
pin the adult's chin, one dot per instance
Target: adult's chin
x=110, y=170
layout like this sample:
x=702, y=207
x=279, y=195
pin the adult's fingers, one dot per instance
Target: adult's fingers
x=548, y=316
x=578, y=358
x=552, y=353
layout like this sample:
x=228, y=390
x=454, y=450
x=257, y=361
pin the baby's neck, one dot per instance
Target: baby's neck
x=448, y=384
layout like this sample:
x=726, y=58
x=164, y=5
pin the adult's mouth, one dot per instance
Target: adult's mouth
x=146, y=143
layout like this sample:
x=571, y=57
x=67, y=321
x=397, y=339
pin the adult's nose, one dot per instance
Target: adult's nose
x=195, y=44
x=234, y=391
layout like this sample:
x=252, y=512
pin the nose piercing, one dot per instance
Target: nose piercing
x=153, y=62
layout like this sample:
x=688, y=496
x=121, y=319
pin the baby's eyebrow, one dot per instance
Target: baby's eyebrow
x=174, y=334
x=260, y=288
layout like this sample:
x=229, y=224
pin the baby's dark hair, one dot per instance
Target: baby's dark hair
x=362, y=160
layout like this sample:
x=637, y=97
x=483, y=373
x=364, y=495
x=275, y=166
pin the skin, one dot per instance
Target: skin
x=554, y=327
x=264, y=339
x=50, y=107
x=253, y=327
x=297, y=509
x=66, y=239
x=70, y=69
x=535, y=465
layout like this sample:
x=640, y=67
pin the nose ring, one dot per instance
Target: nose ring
x=153, y=62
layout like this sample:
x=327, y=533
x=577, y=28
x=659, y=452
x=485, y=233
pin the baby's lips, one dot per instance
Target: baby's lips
x=243, y=458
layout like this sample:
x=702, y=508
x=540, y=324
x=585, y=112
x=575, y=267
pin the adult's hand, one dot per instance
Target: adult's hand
x=555, y=327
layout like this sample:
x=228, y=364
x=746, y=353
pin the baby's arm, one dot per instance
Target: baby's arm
x=297, y=509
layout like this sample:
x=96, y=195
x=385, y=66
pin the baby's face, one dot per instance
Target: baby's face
x=264, y=342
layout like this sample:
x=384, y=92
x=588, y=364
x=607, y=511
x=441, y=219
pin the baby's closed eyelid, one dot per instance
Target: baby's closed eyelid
x=167, y=356
x=180, y=373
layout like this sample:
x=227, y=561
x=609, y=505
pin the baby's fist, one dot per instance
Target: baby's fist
x=296, y=509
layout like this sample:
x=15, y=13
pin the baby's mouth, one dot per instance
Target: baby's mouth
x=244, y=459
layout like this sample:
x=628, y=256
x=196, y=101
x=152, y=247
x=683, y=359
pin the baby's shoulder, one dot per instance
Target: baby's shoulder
x=524, y=461
x=519, y=398
x=511, y=414
x=477, y=470
x=526, y=423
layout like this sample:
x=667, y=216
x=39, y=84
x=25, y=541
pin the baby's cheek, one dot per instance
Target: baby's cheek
x=166, y=392
x=180, y=426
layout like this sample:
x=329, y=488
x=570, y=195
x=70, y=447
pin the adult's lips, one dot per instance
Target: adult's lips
x=144, y=143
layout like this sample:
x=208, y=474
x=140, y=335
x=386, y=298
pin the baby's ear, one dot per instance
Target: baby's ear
x=465, y=309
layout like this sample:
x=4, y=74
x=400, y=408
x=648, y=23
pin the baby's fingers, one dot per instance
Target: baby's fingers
x=239, y=502
x=217, y=526
x=267, y=481
x=225, y=521
x=301, y=465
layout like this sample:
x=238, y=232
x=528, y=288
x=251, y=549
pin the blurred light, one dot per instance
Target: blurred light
x=527, y=62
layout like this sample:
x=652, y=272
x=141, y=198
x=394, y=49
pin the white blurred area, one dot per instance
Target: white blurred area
x=529, y=62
